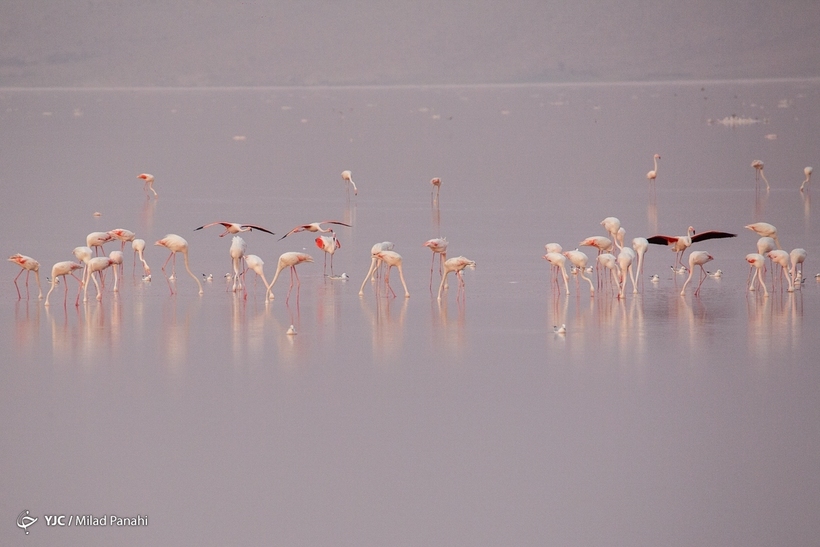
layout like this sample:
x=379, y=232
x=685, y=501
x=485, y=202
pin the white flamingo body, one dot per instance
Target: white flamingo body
x=315, y=227
x=612, y=225
x=289, y=260
x=256, y=264
x=553, y=248
x=608, y=261
x=764, y=229
x=123, y=235
x=558, y=262
x=781, y=258
x=392, y=258
x=580, y=260
x=28, y=265
x=758, y=262
x=237, y=252
x=96, y=264
x=436, y=186
x=96, y=240
x=347, y=176
x=177, y=244
x=138, y=245
x=375, y=260
x=457, y=265
x=234, y=228
x=806, y=171
x=439, y=247
x=149, y=184
x=603, y=244
x=62, y=269
x=758, y=167
x=696, y=258
x=626, y=258
x=797, y=257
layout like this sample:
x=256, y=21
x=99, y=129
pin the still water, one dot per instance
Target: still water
x=655, y=420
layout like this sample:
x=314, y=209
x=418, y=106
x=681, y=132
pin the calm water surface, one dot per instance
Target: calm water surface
x=656, y=420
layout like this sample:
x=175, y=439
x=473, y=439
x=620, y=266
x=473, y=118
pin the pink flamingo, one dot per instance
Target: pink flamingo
x=640, y=245
x=797, y=257
x=558, y=262
x=679, y=244
x=758, y=166
x=756, y=260
x=608, y=260
x=626, y=258
x=328, y=244
x=28, y=265
x=764, y=229
x=347, y=176
x=149, y=184
x=62, y=269
x=696, y=258
x=807, y=171
x=375, y=261
x=457, y=265
x=96, y=264
x=139, y=246
x=96, y=240
x=177, y=244
x=612, y=225
x=439, y=247
x=116, y=260
x=315, y=227
x=436, y=183
x=256, y=264
x=650, y=176
x=289, y=260
x=234, y=228
x=579, y=260
x=237, y=252
x=781, y=258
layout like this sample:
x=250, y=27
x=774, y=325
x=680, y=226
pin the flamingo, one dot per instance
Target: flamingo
x=83, y=254
x=558, y=262
x=679, y=244
x=177, y=244
x=116, y=260
x=439, y=246
x=579, y=260
x=123, y=235
x=457, y=265
x=764, y=229
x=392, y=258
x=797, y=257
x=237, y=252
x=255, y=263
x=63, y=269
x=96, y=264
x=289, y=260
x=315, y=227
x=347, y=176
x=608, y=260
x=603, y=244
x=375, y=261
x=554, y=248
x=328, y=244
x=612, y=225
x=650, y=176
x=640, y=245
x=149, y=184
x=781, y=258
x=139, y=246
x=696, y=258
x=96, y=240
x=807, y=171
x=756, y=260
x=234, y=228
x=626, y=258
x=28, y=265
x=436, y=183
x=758, y=166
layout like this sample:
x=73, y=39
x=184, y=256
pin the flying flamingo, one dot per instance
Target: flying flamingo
x=626, y=258
x=314, y=227
x=558, y=262
x=781, y=258
x=436, y=183
x=696, y=258
x=96, y=264
x=457, y=265
x=756, y=260
x=608, y=260
x=679, y=244
x=96, y=240
x=139, y=246
x=807, y=171
x=758, y=166
x=63, y=269
x=177, y=244
x=764, y=229
x=28, y=265
x=797, y=257
x=347, y=176
x=392, y=258
x=149, y=184
x=237, y=252
x=579, y=260
x=289, y=260
x=328, y=244
x=234, y=228
x=116, y=260
x=375, y=261
x=439, y=246
x=255, y=263
x=650, y=176
x=612, y=225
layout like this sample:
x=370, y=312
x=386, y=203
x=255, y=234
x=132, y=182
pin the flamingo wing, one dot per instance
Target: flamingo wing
x=255, y=227
x=335, y=222
x=663, y=240
x=225, y=224
x=712, y=234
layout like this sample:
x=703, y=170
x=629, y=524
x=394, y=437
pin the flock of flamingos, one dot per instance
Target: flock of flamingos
x=626, y=265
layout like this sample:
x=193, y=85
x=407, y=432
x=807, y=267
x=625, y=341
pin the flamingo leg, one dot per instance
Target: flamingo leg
x=387, y=280
x=373, y=264
x=185, y=256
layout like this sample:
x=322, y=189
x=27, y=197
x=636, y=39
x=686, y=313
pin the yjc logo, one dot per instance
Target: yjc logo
x=24, y=520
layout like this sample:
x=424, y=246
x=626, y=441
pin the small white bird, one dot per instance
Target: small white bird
x=146, y=277
x=560, y=330
x=681, y=270
x=291, y=331
x=208, y=277
x=654, y=278
x=718, y=273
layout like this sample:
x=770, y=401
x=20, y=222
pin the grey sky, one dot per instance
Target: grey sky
x=308, y=42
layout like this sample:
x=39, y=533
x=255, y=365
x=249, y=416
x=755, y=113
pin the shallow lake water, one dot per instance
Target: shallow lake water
x=657, y=419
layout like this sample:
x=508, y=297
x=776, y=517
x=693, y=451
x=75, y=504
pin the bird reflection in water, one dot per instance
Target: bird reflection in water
x=386, y=317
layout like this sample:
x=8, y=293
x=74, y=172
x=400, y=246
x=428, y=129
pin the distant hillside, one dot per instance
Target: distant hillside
x=210, y=43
